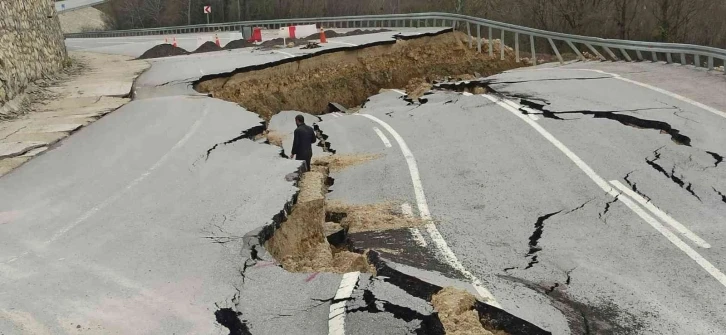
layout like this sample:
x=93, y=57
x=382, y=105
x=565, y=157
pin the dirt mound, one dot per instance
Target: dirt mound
x=457, y=313
x=333, y=33
x=236, y=44
x=163, y=50
x=208, y=46
x=365, y=32
x=350, y=77
x=276, y=138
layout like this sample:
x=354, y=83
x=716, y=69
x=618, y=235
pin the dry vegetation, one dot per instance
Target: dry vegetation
x=457, y=313
x=340, y=162
x=372, y=217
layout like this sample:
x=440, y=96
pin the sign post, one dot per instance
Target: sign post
x=207, y=11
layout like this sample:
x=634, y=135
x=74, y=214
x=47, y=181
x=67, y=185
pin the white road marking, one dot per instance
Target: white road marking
x=467, y=94
x=345, y=43
x=335, y=114
x=713, y=271
x=284, y=53
x=519, y=107
x=399, y=91
x=423, y=209
x=383, y=137
x=415, y=232
x=193, y=129
x=336, y=317
x=651, y=87
x=687, y=233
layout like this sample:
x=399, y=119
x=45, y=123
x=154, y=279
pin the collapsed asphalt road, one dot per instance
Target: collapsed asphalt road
x=153, y=219
x=550, y=245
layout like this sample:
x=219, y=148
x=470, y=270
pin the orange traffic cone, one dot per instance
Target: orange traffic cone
x=174, y=43
x=216, y=40
x=323, y=39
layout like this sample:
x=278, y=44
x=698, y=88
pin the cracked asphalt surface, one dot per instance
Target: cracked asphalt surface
x=149, y=220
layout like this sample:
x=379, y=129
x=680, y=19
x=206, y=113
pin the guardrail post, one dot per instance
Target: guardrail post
x=491, y=44
x=478, y=38
x=468, y=32
x=533, y=59
x=557, y=52
x=683, y=59
x=710, y=63
x=655, y=56
x=697, y=60
x=626, y=55
x=501, y=46
x=669, y=57
x=516, y=47
x=611, y=53
x=639, y=54
x=577, y=52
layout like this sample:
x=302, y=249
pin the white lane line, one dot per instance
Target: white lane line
x=423, y=209
x=383, y=137
x=193, y=129
x=520, y=107
x=713, y=271
x=399, y=91
x=687, y=233
x=344, y=43
x=415, y=232
x=284, y=53
x=657, y=89
x=336, y=316
x=467, y=94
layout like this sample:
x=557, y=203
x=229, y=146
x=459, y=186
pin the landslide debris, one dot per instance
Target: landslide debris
x=163, y=50
x=236, y=44
x=457, y=312
x=349, y=77
x=300, y=244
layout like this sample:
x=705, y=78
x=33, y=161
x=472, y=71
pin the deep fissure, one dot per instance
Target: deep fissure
x=534, y=239
x=672, y=176
x=717, y=157
x=634, y=186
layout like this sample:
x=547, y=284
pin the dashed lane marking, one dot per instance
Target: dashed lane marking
x=448, y=255
x=336, y=317
x=713, y=271
x=383, y=137
x=415, y=232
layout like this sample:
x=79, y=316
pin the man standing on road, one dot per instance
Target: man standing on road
x=302, y=147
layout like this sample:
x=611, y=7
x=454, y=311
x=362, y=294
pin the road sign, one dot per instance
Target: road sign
x=207, y=9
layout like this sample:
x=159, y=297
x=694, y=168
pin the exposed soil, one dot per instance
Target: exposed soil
x=300, y=244
x=236, y=44
x=372, y=217
x=457, y=312
x=163, y=50
x=208, y=46
x=341, y=162
x=309, y=84
x=275, y=138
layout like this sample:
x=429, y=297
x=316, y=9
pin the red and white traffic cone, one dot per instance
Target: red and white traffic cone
x=174, y=43
x=216, y=40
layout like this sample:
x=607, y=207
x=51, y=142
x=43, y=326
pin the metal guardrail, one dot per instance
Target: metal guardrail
x=700, y=56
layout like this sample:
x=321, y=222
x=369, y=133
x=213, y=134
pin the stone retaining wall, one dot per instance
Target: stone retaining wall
x=31, y=44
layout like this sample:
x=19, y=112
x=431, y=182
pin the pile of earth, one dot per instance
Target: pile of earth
x=163, y=50
x=333, y=33
x=282, y=42
x=208, y=46
x=236, y=44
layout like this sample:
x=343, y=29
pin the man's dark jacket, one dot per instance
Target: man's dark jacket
x=302, y=145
